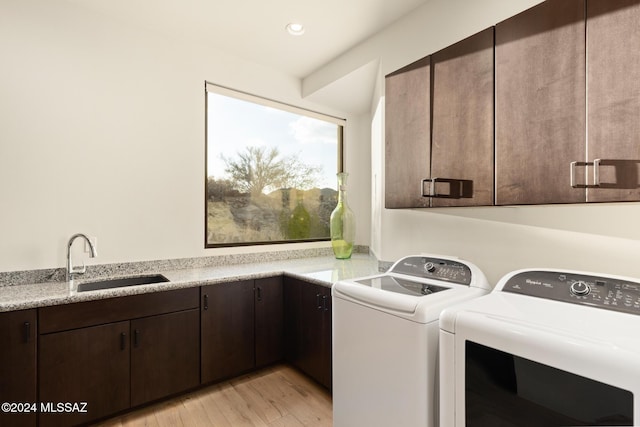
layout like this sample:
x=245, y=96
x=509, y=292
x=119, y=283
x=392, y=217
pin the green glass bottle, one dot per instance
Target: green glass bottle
x=342, y=223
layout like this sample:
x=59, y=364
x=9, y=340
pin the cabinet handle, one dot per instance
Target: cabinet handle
x=318, y=302
x=259, y=293
x=206, y=302
x=596, y=174
x=27, y=332
x=123, y=341
x=136, y=338
x=324, y=303
x=458, y=188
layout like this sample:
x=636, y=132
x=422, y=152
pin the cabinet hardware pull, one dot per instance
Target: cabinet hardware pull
x=458, y=188
x=27, y=332
x=123, y=341
x=136, y=338
x=259, y=293
x=596, y=174
x=318, y=302
x=206, y=302
x=324, y=303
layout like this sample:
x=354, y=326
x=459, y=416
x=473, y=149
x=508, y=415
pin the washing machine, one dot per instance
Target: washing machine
x=547, y=347
x=385, y=339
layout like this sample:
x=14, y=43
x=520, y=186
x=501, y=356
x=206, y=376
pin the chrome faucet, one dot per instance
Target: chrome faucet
x=70, y=270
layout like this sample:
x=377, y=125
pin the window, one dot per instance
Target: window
x=270, y=170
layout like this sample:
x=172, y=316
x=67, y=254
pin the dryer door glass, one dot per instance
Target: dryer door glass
x=506, y=390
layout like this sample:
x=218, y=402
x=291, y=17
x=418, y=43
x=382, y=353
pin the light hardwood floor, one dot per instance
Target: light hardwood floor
x=276, y=396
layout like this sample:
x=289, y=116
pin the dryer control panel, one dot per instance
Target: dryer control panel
x=597, y=291
x=434, y=268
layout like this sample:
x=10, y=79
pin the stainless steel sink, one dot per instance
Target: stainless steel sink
x=122, y=282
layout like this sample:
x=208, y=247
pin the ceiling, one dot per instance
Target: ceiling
x=255, y=29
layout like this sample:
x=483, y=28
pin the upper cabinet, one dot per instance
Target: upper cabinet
x=542, y=108
x=407, y=135
x=540, y=103
x=613, y=93
x=462, y=123
x=439, y=128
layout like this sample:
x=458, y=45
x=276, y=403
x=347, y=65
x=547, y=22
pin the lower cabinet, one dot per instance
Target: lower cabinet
x=241, y=327
x=106, y=356
x=227, y=330
x=88, y=365
x=308, y=328
x=165, y=355
x=18, y=338
x=269, y=321
x=85, y=361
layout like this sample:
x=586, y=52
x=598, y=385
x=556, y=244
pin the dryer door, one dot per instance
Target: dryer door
x=513, y=373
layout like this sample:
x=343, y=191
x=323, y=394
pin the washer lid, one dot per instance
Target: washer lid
x=389, y=301
x=401, y=286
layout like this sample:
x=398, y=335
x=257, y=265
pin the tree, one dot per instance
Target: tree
x=260, y=168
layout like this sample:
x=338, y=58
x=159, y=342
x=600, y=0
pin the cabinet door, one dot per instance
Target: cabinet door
x=18, y=364
x=227, y=330
x=85, y=365
x=310, y=352
x=407, y=135
x=269, y=320
x=292, y=297
x=540, y=103
x=462, y=122
x=308, y=328
x=165, y=355
x=613, y=70
x=325, y=374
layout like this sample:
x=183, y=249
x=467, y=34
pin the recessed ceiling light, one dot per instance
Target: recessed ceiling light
x=295, y=29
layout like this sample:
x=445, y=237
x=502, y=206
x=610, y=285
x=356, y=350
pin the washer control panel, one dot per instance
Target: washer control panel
x=598, y=291
x=434, y=268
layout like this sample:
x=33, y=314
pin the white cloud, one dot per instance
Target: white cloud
x=307, y=130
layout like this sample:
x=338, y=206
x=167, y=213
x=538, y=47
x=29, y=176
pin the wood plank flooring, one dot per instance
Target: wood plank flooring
x=277, y=396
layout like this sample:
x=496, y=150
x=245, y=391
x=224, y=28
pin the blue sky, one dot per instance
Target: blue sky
x=235, y=124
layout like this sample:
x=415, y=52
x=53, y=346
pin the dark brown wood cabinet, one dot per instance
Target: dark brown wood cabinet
x=165, y=355
x=461, y=171
x=613, y=93
x=117, y=353
x=241, y=327
x=439, y=128
x=501, y=118
x=308, y=328
x=89, y=365
x=540, y=103
x=227, y=330
x=106, y=356
x=407, y=134
x=18, y=341
x=269, y=321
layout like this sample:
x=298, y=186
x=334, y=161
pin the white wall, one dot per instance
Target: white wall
x=102, y=132
x=599, y=238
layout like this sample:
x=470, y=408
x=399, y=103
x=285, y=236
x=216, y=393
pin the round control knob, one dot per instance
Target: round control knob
x=430, y=267
x=579, y=288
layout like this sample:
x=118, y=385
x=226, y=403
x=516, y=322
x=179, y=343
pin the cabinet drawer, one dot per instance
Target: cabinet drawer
x=82, y=314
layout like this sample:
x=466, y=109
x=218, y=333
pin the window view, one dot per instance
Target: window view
x=271, y=170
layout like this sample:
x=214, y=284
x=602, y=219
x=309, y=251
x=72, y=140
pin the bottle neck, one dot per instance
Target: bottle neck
x=342, y=194
x=342, y=187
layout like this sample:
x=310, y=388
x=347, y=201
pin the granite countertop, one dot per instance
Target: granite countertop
x=324, y=270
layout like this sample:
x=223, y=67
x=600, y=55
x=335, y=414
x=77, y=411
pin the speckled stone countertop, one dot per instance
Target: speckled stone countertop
x=324, y=270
